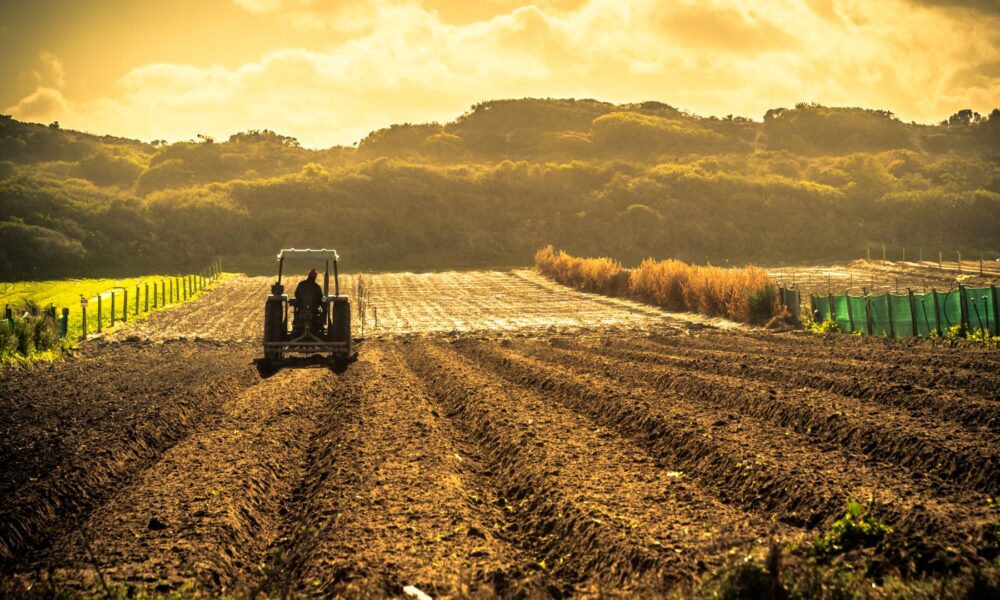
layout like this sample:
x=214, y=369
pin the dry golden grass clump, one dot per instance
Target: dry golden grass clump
x=603, y=275
x=747, y=295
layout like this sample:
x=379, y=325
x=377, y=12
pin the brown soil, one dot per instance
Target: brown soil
x=498, y=434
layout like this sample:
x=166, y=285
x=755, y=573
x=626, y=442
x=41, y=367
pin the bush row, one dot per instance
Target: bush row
x=747, y=295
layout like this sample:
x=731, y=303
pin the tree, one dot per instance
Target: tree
x=964, y=117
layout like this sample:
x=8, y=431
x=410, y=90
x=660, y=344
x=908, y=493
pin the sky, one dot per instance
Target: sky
x=330, y=71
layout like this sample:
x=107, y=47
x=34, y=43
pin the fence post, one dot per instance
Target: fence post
x=996, y=309
x=963, y=301
x=913, y=312
x=64, y=323
x=904, y=253
x=888, y=306
x=124, y=306
x=833, y=312
x=986, y=309
x=850, y=313
x=8, y=314
x=868, y=312
x=83, y=317
x=111, y=313
x=137, y=294
x=145, y=306
x=937, y=313
x=940, y=261
x=171, y=283
x=812, y=307
x=100, y=316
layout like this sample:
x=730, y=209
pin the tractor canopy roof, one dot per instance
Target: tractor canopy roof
x=324, y=253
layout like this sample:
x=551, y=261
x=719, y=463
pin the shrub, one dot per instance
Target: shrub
x=25, y=330
x=33, y=332
x=8, y=339
x=46, y=333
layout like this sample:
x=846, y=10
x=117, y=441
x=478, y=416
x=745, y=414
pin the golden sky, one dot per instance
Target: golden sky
x=330, y=71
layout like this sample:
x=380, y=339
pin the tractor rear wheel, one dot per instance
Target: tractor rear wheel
x=273, y=325
x=340, y=331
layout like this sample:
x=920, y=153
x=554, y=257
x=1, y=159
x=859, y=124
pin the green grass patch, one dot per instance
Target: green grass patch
x=32, y=337
x=66, y=293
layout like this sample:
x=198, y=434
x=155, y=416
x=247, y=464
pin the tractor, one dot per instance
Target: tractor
x=323, y=329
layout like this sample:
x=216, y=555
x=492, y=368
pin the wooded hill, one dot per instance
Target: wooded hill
x=502, y=180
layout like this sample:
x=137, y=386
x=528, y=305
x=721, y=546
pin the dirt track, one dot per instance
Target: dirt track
x=530, y=438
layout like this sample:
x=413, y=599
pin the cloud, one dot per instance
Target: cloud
x=409, y=64
x=259, y=6
x=47, y=102
x=319, y=15
x=53, y=69
x=43, y=105
x=980, y=6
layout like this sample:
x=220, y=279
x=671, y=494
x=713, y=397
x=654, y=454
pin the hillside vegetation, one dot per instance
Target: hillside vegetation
x=631, y=181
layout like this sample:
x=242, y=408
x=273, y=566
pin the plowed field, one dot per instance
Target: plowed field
x=498, y=433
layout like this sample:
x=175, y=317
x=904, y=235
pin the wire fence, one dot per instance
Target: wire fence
x=117, y=304
x=148, y=296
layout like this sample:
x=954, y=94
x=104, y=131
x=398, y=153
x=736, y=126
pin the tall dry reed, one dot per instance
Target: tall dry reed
x=603, y=275
x=747, y=295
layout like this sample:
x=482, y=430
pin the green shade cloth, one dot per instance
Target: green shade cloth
x=896, y=316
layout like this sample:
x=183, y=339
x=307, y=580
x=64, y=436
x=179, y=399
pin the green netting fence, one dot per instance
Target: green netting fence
x=909, y=315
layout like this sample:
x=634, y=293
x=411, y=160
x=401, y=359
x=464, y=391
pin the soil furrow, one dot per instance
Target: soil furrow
x=212, y=505
x=642, y=502
x=960, y=406
x=881, y=378
x=573, y=539
x=753, y=464
x=970, y=358
x=119, y=439
x=930, y=448
x=392, y=499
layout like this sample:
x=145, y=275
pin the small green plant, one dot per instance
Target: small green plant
x=821, y=327
x=983, y=336
x=858, y=528
x=953, y=333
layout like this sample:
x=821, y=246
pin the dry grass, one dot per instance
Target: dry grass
x=747, y=295
x=603, y=275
